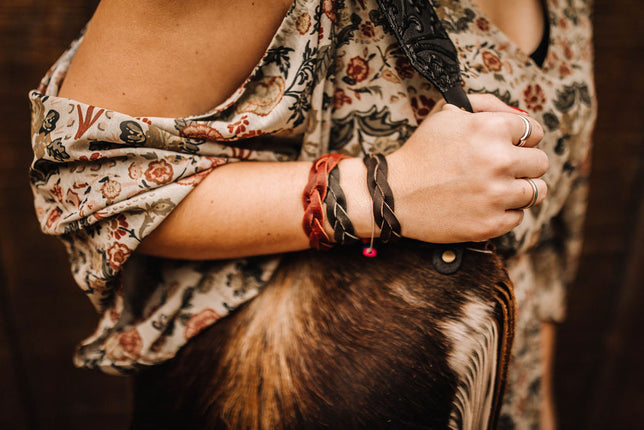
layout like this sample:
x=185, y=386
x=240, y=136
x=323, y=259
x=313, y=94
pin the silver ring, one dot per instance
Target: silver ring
x=535, y=194
x=526, y=133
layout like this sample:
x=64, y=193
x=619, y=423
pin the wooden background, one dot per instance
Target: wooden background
x=599, y=375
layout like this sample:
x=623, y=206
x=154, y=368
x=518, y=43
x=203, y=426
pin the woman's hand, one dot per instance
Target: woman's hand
x=458, y=178
x=455, y=180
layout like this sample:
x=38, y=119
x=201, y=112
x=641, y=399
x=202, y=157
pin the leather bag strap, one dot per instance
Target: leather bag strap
x=427, y=46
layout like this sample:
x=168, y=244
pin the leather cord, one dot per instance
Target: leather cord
x=383, y=197
x=313, y=197
x=336, y=211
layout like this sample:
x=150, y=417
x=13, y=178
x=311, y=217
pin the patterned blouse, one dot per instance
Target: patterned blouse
x=332, y=79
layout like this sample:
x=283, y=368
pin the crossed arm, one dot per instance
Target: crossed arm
x=456, y=179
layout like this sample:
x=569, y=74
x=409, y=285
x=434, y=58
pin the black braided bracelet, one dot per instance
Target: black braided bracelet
x=382, y=196
x=336, y=211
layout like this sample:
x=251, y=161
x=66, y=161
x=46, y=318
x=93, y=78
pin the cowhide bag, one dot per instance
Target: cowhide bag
x=417, y=338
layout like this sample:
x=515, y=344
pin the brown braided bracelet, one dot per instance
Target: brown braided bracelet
x=312, y=198
x=336, y=211
x=382, y=196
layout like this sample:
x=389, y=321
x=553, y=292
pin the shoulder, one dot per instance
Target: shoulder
x=161, y=57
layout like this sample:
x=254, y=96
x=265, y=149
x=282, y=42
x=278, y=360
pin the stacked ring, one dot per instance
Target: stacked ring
x=526, y=133
x=535, y=194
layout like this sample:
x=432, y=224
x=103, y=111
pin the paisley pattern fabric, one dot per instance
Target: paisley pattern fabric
x=333, y=79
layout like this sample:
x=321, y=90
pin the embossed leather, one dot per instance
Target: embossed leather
x=427, y=46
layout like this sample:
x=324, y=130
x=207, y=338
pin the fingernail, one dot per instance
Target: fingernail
x=520, y=110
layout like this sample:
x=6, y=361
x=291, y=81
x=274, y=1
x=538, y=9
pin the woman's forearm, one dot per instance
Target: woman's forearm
x=458, y=178
x=455, y=180
x=251, y=208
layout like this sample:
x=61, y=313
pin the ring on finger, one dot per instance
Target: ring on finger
x=526, y=133
x=535, y=194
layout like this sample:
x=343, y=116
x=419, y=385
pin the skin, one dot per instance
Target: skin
x=456, y=179
x=521, y=20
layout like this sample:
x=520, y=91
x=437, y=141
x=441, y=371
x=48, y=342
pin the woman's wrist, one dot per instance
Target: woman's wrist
x=353, y=180
x=399, y=186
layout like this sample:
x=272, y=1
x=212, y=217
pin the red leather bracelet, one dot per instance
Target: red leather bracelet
x=313, y=197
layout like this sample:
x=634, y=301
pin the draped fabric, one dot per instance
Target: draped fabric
x=332, y=79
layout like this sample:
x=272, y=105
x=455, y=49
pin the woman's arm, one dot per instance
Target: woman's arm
x=246, y=209
x=454, y=180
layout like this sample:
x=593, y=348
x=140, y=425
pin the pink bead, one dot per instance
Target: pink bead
x=369, y=252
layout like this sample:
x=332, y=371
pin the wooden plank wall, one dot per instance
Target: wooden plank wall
x=43, y=315
x=600, y=379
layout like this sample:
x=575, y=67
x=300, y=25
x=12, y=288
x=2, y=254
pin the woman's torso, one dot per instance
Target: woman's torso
x=333, y=78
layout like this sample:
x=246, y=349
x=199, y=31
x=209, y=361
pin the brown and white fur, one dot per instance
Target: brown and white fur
x=339, y=341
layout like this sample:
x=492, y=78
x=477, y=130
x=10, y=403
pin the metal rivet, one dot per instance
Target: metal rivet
x=448, y=256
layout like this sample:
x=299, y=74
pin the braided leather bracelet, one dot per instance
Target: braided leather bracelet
x=382, y=196
x=312, y=198
x=336, y=211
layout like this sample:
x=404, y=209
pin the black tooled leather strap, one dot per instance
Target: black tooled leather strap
x=427, y=46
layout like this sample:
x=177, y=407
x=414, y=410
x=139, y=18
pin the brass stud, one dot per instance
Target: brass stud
x=448, y=256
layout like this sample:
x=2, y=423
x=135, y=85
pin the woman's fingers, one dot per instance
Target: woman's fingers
x=518, y=130
x=489, y=103
x=525, y=193
x=529, y=163
x=522, y=194
x=526, y=132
